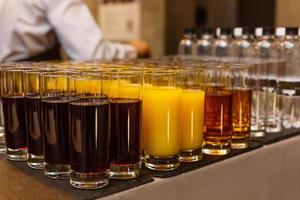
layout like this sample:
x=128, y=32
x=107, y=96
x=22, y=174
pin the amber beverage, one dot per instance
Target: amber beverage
x=241, y=122
x=243, y=85
x=218, y=122
x=218, y=110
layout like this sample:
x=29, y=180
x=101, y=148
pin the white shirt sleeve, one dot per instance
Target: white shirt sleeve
x=80, y=35
x=25, y=31
x=28, y=27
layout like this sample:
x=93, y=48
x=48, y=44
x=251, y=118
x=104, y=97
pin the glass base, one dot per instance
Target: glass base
x=57, y=171
x=2, y=150
x=216, y=149
x=273, y=127
x=16, y=154
x=143, y=157
x=190, y=155
x=35, y=162
x=2, y=144
x=240, y=140
x=239, y=144
x=128, y=171
x=255, y=134
x=88, y=181
x=159, y=163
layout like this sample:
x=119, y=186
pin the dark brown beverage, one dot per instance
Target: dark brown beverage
x=218, y=117
x=125, y=131
x=89, y=132
x=242, y=101
x=34, y=125
x=55, y=122
x=14, y=122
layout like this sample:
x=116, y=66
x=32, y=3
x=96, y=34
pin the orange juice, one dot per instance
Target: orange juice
x=58, y=84
x=129, y=90
x=111, y=88
x=106, y=87
x=191, y=119
x=88, y=86
x=161, y=106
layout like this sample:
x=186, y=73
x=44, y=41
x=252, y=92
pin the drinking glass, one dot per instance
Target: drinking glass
x=125, y=119
x=161, y=120
x=273, y=97
x=12, y=92
x=2, y=132
x=191, y=114
x=89, y=131
x=218, y=110
x=33, y=116
x=55, y=123
x=259, y=94
x=242, y=75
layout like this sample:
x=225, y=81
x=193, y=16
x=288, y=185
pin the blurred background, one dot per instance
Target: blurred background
x=161, y=22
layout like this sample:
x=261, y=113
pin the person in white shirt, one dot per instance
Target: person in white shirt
x=29, y=28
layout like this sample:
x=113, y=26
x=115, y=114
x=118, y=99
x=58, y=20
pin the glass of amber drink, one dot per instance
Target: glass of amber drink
x=243, y=84
x=218, y=110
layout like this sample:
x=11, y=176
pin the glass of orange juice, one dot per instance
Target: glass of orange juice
x=161, y=120
x=192, y=115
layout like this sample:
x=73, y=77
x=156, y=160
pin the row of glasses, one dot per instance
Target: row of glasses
x=43, y=105
x=267, y=103
x=94, y=121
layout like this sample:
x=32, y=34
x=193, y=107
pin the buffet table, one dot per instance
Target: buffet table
x=270, y=170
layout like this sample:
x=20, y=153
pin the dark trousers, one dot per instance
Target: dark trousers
x=51, y=54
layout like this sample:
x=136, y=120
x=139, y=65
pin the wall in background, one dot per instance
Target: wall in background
x=219, y=12
x=287, y=13
x=163, y=21
x=256, y=13
x=179, y=15
x=93, y=6
x=153, y=25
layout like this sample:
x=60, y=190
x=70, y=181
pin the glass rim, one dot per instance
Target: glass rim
x=163, y=73
x=87, y=76
x=58, y=74
x=125, y=73
x=16, y=69
x=39, y=70
x=239, y=66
